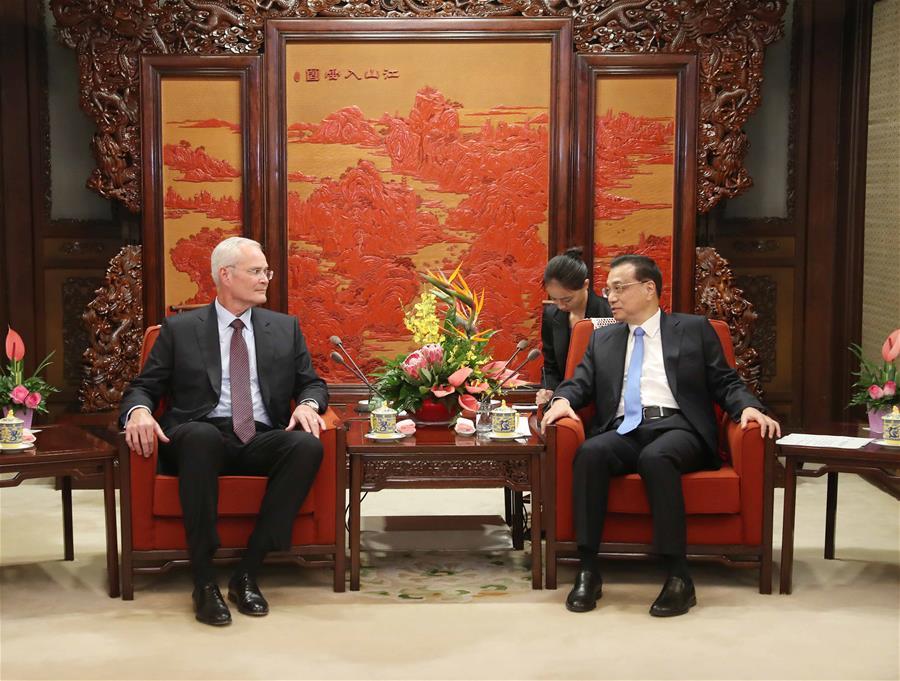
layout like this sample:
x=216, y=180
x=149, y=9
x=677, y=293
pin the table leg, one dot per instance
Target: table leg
x=765, y=568
x=787, y=530
x=355, y=492
x=830, y=514
x=518, y=521
x=112, y=546
x=68, y=543
x=536, y=571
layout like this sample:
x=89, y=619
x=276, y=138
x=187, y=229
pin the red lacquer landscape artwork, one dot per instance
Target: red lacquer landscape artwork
x=633, y=178
x=359, y=240
x=397, y=165
x=201, y=173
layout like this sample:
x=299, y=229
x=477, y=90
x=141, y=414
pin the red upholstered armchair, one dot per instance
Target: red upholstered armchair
x=153, y=536
x=729, y=516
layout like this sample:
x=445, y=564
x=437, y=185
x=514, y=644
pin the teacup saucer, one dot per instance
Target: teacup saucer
x=385, y=436
x=505, y=436
x=17, y=446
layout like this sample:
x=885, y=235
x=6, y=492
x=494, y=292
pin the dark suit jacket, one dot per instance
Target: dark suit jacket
x=185, y=366
x=696, y=369
x=555, y=334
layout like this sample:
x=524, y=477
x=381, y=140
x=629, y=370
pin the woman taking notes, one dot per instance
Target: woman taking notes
x=568, y=287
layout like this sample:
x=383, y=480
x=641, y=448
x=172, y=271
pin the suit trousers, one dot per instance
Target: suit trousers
x=660, y=450
x=200, y=451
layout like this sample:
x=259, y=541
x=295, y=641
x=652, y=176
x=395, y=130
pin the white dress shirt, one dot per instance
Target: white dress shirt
x=655, y=391
x=223, y=408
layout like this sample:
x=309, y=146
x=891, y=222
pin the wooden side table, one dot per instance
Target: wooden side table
x=874, y=462
x=438, y=458
x=68, y=451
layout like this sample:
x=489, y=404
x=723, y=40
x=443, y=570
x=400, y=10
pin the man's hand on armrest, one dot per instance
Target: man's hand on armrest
x=307, y=418
x=141, y=432
x=559, y=408
x=767, y=426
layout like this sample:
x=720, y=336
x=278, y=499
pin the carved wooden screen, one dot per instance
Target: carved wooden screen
x=399, y=145
x=636, y=164
x=201, y=148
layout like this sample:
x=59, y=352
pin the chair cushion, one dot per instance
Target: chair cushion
x=239, y=495
x=705, y=492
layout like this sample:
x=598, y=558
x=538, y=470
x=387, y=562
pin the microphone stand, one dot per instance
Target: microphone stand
x=356, y=372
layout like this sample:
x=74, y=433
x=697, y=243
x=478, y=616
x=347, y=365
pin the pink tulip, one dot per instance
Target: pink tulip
x=476, y=387
x=875, y=392
x=15, y=346
x=468, y=402
x=433, y=353
x=458, y=377
x=413, y=364
x=891, y=348
x=18, y=394
x=443, y=390
x=33, y=400
x=890, y=389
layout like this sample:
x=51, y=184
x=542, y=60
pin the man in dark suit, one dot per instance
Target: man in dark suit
x=229, y=372
x=661, y=424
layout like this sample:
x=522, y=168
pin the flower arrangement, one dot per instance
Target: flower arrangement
x=31, y=392
x=452, y=364
x=876, y=385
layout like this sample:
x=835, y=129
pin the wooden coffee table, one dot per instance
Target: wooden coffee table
x=68, y=451
x=438, y=458
x=878, y=464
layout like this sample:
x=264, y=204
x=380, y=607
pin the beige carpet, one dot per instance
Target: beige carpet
x=842, y=621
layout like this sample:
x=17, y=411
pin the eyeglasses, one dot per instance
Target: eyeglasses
x=619, y=288
x=257, y=272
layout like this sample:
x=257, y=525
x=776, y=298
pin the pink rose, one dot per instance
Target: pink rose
x=433, y=353
x=33, y=400
x=413, y=364
x=875, y=392
x=458, y=377
x=890, y=389
x=891, y=348
x=18, y=394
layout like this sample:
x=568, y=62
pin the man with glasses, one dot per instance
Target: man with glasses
x=653, y=379
x=229, y=372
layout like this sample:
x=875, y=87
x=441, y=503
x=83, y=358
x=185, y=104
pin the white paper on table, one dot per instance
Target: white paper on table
x=522, y=427
x=837, y=441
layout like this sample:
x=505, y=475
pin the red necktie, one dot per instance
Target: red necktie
x=241, y=402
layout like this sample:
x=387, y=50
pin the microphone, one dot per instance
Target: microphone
x=521, y=345
x=356, y=372
x=534, y=353
x=336, y=341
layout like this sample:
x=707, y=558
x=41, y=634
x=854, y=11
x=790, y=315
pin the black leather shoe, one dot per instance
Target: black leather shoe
x=676, y=598
x=209, y=606
x=242, y=589
x=588, y=588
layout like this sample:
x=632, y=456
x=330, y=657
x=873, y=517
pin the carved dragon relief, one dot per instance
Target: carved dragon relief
x=716, y=297
x=729, y=36
x=115, y=327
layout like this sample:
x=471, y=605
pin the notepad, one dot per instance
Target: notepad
x=836, y=441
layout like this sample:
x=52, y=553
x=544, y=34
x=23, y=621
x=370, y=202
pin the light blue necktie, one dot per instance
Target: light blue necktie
x=633, y=411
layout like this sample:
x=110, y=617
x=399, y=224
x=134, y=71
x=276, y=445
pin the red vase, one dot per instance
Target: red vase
x=432, y=412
